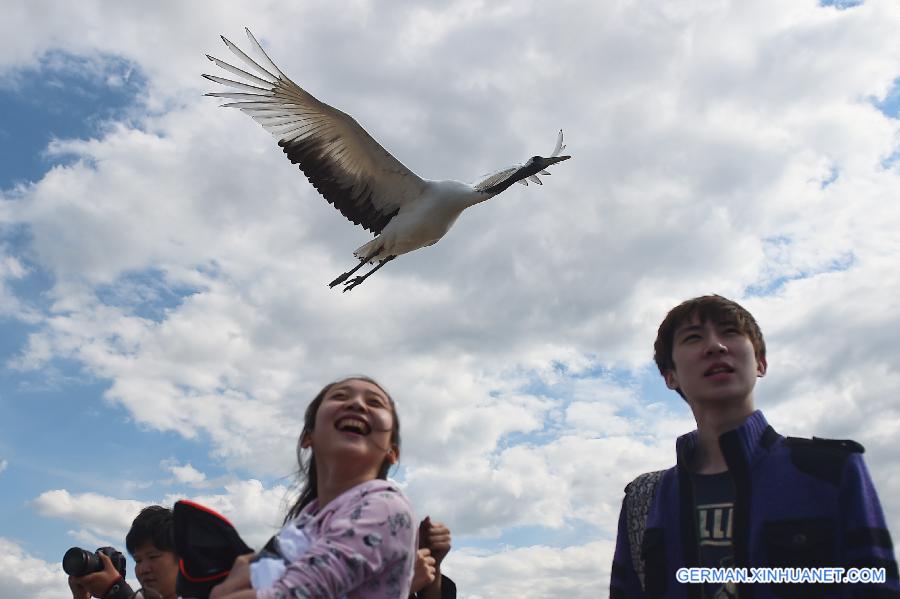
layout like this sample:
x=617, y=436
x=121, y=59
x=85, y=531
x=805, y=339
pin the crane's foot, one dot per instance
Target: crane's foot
x=353, y=283
x=339, y=280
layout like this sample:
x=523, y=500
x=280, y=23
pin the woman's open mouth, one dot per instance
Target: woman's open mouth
x=353, y=424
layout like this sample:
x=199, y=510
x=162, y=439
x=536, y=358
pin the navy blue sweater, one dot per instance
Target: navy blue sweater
x=798, y=503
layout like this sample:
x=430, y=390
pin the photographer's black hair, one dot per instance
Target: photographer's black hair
x=154, y=524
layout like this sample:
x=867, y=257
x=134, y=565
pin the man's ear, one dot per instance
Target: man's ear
x=671, y=379
x=761, y=366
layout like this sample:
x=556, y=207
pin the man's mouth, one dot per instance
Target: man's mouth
x=353, y=424
x=718, y=368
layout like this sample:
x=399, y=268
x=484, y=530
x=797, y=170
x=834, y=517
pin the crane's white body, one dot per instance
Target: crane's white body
x=423, y=222
x=353, y=172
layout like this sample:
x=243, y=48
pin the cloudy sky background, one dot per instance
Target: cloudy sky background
x=164, y=313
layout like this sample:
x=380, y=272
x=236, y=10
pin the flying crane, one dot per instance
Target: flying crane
x=353, y=172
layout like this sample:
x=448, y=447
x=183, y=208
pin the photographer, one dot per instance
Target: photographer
x=152, y=545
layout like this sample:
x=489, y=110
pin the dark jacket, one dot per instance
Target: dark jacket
x=448, y=589
x=798, y=503
x=119, y=590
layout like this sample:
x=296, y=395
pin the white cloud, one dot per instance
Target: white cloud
x=535, y=572
x=255, y=511
x=98, y=517
x=23, y=575
x=3, y=465
x=187, y=474
x=11, y=305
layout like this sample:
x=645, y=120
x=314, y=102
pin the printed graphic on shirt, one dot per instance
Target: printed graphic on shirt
x=714, y=497
x=715, y=520
x=360, y=545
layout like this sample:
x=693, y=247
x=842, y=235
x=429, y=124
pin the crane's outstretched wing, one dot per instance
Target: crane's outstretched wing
x=349, y=168
x=496, y=179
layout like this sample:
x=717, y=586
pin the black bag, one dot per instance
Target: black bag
x=207, y=545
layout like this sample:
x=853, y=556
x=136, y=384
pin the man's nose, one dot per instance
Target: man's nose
x=714, y=345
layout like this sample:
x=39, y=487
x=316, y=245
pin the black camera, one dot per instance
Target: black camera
x=81, y=562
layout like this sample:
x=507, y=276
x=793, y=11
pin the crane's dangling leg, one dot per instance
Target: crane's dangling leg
x=357, y=280
x=362, y=262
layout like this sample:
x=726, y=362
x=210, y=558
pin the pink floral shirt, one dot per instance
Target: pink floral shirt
x=362, y=545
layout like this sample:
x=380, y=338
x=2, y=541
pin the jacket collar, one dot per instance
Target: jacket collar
x=747, y=442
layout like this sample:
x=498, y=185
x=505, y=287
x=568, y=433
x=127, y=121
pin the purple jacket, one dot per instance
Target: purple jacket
x=798, y=503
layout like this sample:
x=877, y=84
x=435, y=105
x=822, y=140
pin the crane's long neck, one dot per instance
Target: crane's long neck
x=476, y=197
x=459, y=196
x=524, y=171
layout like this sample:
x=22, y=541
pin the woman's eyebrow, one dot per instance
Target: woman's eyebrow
x=366, y=392
x=377, y=395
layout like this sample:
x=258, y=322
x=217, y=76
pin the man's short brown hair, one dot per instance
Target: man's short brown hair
x=707, y=307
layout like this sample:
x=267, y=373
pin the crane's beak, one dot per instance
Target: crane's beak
x=554, y=160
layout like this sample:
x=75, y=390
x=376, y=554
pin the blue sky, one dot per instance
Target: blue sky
x=55, y=429
x=163, y=269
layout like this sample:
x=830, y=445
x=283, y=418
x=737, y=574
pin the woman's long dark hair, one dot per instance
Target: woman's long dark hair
x=307, y=467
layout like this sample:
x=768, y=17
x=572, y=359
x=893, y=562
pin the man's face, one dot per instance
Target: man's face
x=714, y=362
x=156, y=570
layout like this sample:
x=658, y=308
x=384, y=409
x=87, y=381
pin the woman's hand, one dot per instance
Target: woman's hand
x=238, y=580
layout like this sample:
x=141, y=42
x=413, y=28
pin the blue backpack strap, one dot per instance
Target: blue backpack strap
x=639, y=495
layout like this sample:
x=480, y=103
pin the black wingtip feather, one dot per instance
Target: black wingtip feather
x=357, y=207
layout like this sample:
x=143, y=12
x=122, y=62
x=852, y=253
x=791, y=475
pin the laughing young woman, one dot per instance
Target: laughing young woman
x=351, y=531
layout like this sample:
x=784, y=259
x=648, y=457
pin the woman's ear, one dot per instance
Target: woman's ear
x=306, y=441
x=393, y=454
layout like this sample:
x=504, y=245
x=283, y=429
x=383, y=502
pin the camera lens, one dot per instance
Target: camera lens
x=78, y=562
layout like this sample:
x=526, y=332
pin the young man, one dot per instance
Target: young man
x=151, y=543
x=741, y=495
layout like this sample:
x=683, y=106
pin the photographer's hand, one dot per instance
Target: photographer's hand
x=78, y=591
x=435, y=538
x=423, y=571
x=96, y=584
